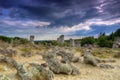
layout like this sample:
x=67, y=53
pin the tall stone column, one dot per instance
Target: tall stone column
x=62, y=39
x=32, y=39
x=72, y=42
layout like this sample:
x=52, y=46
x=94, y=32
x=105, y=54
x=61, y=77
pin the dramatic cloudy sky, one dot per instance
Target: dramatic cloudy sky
x=47, y=19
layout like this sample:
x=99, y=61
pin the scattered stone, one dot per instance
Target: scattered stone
x=107, y=66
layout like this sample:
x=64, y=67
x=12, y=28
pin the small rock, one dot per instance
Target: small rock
x=107, y=66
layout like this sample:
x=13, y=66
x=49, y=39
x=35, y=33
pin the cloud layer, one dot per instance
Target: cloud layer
x=48, y=19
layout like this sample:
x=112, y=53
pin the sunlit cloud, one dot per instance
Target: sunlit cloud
x=27, y=23
x=86, y=25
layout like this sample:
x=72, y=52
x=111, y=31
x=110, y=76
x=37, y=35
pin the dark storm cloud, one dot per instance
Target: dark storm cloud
x=64, y=12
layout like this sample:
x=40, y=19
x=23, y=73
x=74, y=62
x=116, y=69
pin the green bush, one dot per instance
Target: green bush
x=102, y=41
x=5, y=39
x=87, y=40
x=18, y=40
x=105, y=41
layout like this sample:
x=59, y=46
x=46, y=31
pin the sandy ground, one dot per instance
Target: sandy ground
x=87, y=72
x=93, y=73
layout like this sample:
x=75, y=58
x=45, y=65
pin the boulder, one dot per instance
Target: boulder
x=90, y=59
x=61, y=68
x=58, y=67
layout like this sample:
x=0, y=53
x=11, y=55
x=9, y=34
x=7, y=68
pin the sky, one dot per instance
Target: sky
x=48, y=19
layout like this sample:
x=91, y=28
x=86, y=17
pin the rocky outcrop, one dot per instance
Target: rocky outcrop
x=90, y=59
x=61, y=67
x=44, y=73
x=94, y=61
x=29, y=72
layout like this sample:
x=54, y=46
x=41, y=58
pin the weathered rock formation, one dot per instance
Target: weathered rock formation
x=59, y=67
x=29, y=72
x=90, y=59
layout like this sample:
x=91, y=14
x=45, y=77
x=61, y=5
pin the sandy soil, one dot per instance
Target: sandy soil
x=87, y=72
x=93, y=73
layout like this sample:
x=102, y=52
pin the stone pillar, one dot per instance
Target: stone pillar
x=32, y=39
x=77, y=44
x=116, y=43
x=61, y=39
x=72, y=42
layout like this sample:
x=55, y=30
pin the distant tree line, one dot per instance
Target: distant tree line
x=103, y=40
x=15, y=40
